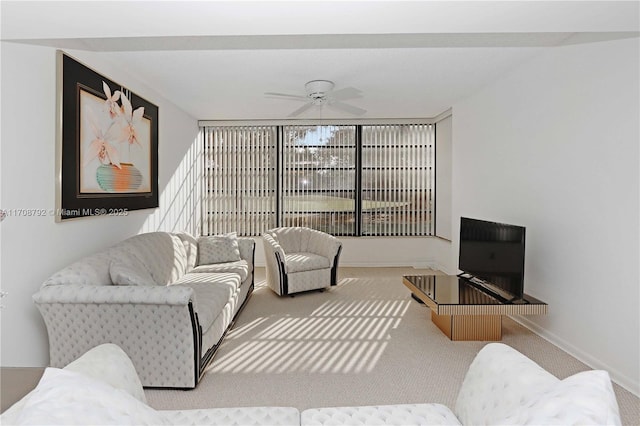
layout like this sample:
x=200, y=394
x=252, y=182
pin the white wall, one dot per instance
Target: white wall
x=443, y=178
x=553, y=146
x=35, y=247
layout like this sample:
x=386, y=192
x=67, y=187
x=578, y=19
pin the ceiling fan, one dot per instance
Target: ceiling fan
x=321, y=93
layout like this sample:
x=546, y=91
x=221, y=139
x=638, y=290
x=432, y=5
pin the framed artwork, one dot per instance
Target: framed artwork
x=107, y=156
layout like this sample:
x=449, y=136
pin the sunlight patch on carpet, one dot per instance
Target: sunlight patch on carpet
x=323, y=335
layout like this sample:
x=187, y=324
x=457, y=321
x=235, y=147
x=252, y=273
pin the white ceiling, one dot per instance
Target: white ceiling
x=216, y=59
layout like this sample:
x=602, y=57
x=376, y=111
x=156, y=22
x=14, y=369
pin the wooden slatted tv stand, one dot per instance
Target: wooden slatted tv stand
x=464, y=310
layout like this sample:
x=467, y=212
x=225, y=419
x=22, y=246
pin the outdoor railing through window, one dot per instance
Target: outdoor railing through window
x=351, y=180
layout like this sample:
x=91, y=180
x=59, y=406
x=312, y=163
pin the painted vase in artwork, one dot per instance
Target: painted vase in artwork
x=113, y=179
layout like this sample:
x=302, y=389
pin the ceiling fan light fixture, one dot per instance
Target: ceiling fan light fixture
x=318, y=88
x=320, y=93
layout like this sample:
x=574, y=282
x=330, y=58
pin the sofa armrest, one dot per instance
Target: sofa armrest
x=497, y=382
x=247, y=248
x=114, y=294
x=156, y=326
x=332, y=250
x=274, y=263
x=273, y=251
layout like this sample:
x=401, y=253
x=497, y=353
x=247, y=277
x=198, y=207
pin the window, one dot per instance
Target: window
x=318, y=178
x=351, y=180
x=240, y=179
x=397, y=180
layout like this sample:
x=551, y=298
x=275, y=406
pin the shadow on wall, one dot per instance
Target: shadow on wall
x=180, y=199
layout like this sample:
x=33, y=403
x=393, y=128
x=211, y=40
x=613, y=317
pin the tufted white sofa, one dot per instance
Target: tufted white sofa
x=502, y=386
x=166, y=299
x=300, y=259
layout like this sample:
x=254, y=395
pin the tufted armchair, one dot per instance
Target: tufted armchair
x=300, y=259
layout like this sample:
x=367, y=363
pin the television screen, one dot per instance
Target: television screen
x=493, y=253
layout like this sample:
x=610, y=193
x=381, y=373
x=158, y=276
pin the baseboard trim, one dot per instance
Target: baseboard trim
x=620, y=379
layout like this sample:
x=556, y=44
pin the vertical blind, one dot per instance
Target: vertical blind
x=318, y=178
x=240, y=179
x=369, y=180
x=397, y=179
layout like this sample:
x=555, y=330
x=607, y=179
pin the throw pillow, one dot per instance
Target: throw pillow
x=218, y=249
x=68, y=398
x=129, y=271
x=586, y=398
x=191, y=248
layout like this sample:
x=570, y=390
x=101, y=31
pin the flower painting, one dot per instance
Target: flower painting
x=114, y=144
x=108, y=145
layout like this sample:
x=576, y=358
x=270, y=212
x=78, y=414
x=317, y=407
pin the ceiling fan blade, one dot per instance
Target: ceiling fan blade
x=347, y=108
x=286, y=96
x=300, y=110
x=346, y=93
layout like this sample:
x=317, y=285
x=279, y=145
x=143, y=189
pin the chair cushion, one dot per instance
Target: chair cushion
x=218, y=249
x=212, y=293
x=130, y=271
x=240, y=267
x=299, y=262
x=191, y=249
x=90, y=270
x=162, y=253
x=289, y=238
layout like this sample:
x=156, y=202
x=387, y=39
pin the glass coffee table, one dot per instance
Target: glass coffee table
x=464, y=310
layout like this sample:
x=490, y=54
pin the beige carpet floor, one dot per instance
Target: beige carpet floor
x=363, y=342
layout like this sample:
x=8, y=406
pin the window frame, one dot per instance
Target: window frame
x=358, y=189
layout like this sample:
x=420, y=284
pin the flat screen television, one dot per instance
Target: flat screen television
x=492, y=254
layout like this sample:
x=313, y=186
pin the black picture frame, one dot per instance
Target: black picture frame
x=93, y=140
